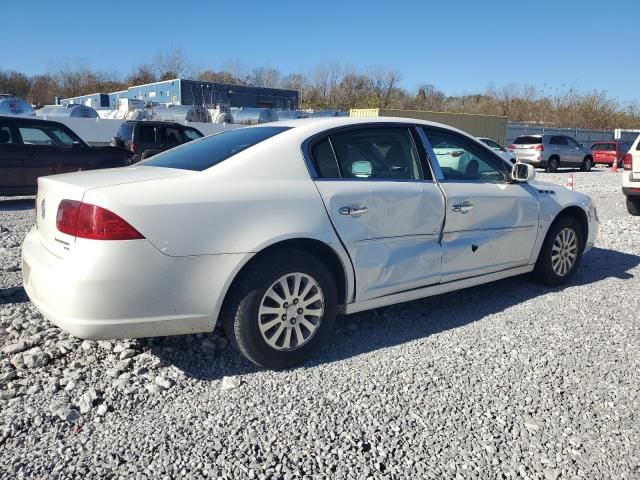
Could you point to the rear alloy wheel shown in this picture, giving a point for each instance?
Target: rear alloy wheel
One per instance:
(587, 163)
(291, 311)
(633, 206)
(553, 164)
(561, 252)
(282, 309)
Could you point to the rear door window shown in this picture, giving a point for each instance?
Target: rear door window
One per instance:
(324, 159)
(34, 136)
(380, 153)
(5, 135)
(604, 147)
(191, 134)
(47, 134)
(169, 136)
(147, 134)
(206, 152)
(558, 140)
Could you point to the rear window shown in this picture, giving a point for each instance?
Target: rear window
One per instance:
(125, 131)
(206, 152)
(527, 140)
(604, 147)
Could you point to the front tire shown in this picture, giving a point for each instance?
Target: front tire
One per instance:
(633, 206)
(587, 163)
(282, 310)
(561, 252)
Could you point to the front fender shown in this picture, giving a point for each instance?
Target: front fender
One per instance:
(554, 200)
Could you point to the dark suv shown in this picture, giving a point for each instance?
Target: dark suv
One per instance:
(145, 139)
(32, 148)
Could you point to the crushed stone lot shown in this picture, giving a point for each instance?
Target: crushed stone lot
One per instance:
(506, 380)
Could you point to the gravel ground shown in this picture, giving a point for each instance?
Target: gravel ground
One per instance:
(507, 380)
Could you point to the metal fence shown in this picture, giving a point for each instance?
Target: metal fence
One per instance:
(491, 126)
(581, 135)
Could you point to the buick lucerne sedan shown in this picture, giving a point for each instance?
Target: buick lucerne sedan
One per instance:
(274, 229)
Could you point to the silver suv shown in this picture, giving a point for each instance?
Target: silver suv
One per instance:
(551, 152)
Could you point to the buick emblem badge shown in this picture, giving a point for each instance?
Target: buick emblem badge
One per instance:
(42, 208)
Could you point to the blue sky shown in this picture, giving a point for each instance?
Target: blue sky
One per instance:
(458, 46)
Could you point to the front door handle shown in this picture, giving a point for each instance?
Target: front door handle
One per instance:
(354, 212)
(463, 207)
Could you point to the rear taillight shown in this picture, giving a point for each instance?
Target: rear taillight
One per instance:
(627, 161)
(134, 147)
(539, 148)
(511, 147)
(67, 216)
(84, 220)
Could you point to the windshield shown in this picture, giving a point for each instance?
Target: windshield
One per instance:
(527, 140)
(206, 152)
(604, 147)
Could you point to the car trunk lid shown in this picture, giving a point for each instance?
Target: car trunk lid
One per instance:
(72, 186)
(526, 146)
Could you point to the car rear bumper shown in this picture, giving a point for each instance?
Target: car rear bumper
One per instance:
(604, 161)
(630, 185)
(125, 289)
(535, 162)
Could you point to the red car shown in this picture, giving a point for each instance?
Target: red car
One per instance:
(607, 152)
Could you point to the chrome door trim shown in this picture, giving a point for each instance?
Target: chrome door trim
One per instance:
(431, 156)
(313, 173)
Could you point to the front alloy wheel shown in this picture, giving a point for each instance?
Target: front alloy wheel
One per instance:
(560, 253)
(564, 252)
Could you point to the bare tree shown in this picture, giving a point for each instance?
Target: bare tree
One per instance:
(15, 83)
(296, 81)
(383, 83)
(429, 98)
(42, 91)
(265, 77)
(171, 63)
(142, 74)
(354, 90)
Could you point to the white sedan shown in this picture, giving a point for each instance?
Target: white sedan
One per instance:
(272, 230)
(508, 155)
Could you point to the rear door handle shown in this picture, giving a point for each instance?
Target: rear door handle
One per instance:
(463, 207)
(354, 212)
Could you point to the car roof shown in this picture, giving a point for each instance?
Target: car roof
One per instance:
(312, 126)
(153, 122)
(28, 118)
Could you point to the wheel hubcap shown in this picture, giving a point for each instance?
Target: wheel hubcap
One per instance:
(564, 252)
(291, 311)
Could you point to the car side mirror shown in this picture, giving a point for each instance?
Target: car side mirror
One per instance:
(523, 172)
(361, 169)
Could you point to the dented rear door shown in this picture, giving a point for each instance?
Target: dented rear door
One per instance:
(389, 219)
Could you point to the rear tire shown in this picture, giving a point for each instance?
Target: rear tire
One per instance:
(633, 205)
(587, 163)
(553, 164)
(561, 252)
(258, 299)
